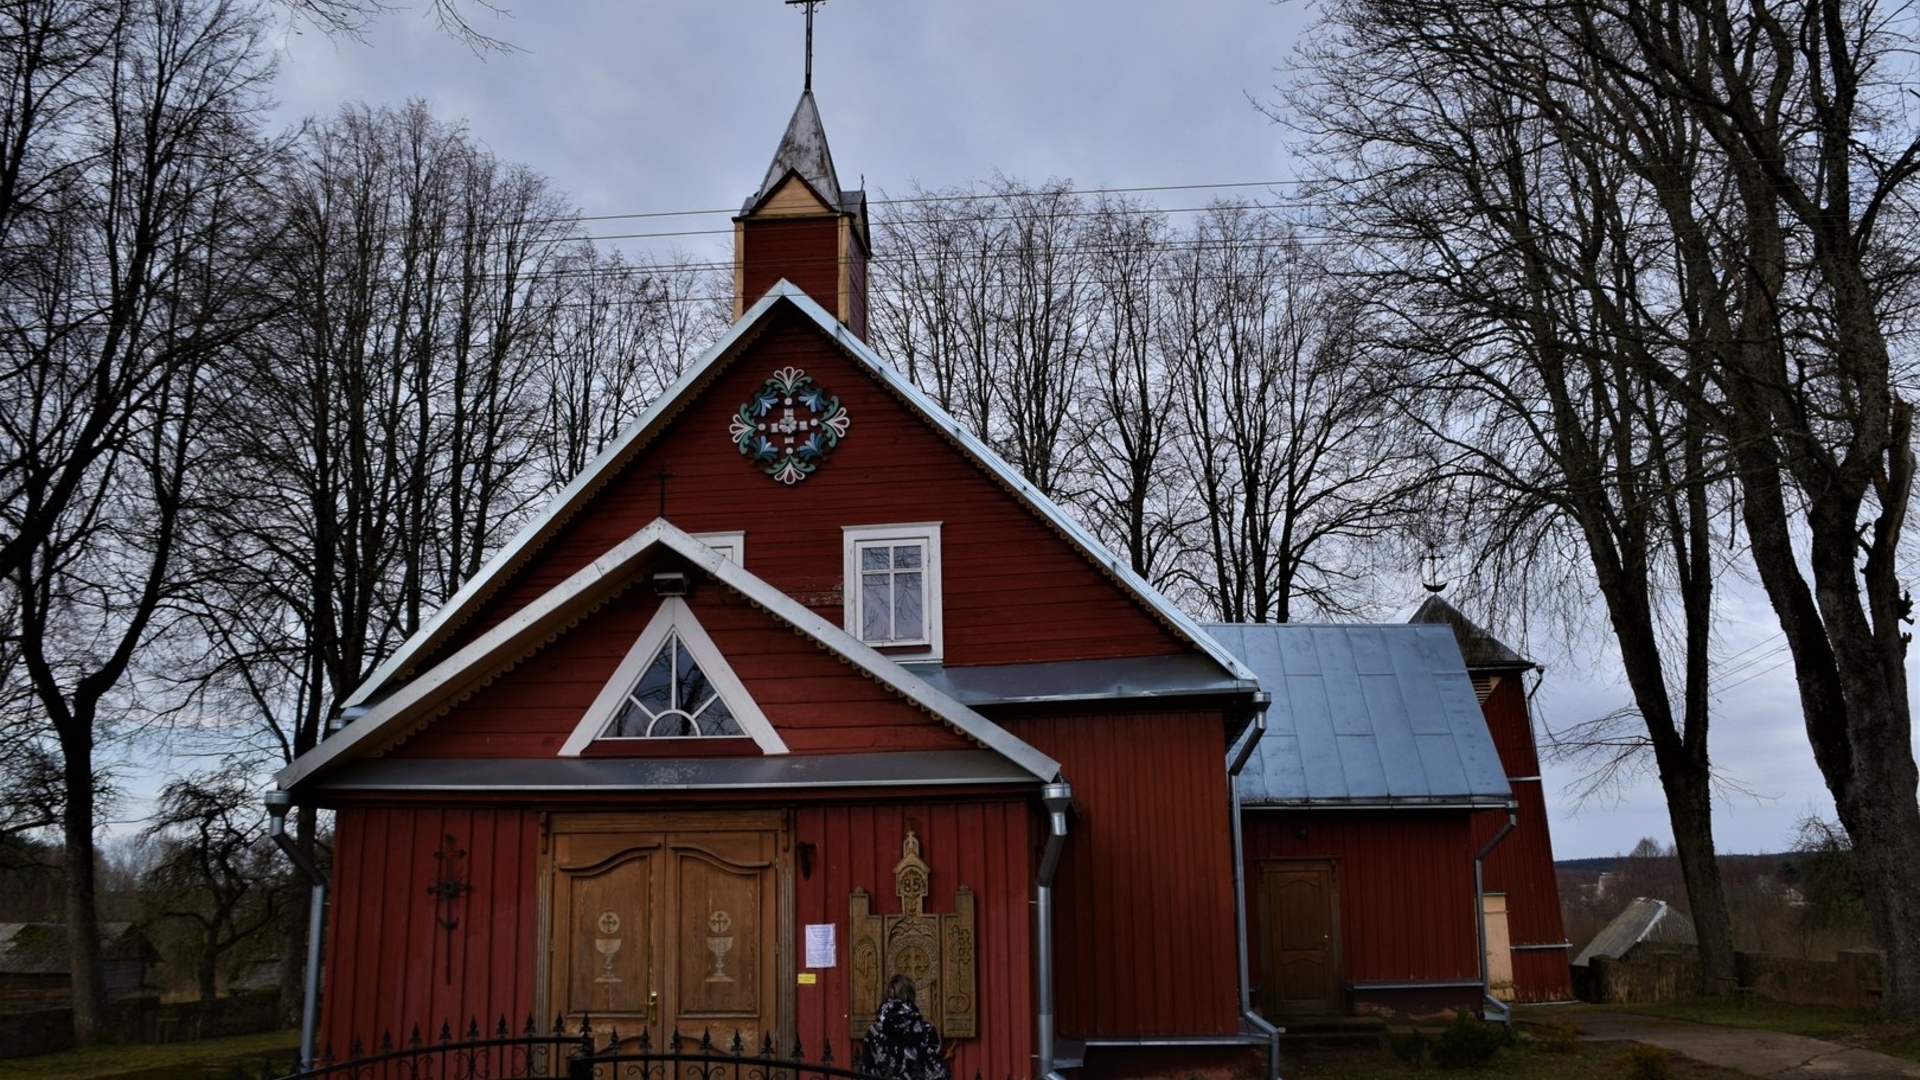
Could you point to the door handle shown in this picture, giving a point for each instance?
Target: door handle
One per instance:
(653, 1006)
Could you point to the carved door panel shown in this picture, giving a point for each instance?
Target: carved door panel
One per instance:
(722, 896)
(1300, 922)
(659, 931)
(606, 933)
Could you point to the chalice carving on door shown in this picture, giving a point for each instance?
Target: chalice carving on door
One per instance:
(720, 943)
(607, 945)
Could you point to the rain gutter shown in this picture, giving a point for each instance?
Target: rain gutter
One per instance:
(1058, 799)
(1250, 1019)
(1490, 1002)
(278, 803)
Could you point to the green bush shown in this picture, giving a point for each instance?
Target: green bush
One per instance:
(1409, 1046)
(1469, 1041)
(1648, 1063)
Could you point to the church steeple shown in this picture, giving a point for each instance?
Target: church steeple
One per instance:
(800, 225)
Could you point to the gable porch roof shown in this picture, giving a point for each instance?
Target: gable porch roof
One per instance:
(528, 629)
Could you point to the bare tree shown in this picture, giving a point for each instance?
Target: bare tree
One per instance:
(128, 282)
(1127, 425)
(1764, 155)
(1284, 435)
(213, 872)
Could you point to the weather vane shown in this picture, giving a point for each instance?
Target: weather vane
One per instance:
(809, 5)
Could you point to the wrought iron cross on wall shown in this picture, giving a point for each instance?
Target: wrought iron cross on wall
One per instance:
(449, 886)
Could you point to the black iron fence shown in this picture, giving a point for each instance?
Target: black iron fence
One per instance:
(585, 1054)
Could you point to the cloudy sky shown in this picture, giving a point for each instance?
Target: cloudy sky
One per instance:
(674, 107)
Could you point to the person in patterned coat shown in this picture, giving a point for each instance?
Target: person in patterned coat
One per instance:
(902, 1044)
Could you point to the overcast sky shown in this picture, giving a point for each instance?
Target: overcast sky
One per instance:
(666, 106)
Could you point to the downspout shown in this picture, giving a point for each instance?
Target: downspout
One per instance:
(1057, 797)
(1258, 1023)
(1492, 1003)
(278, 803)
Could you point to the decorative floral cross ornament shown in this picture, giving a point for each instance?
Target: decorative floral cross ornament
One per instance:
(790, 426)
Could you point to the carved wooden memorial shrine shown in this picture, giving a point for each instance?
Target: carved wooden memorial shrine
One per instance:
(935, 951)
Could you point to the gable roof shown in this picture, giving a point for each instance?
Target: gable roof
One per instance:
(1365, 716)
(583, 487)
(1643, 921)
(528, 629)
(1478, 646)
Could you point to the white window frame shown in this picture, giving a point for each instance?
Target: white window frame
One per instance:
(926, 533)
(731, 544)
(674, 617)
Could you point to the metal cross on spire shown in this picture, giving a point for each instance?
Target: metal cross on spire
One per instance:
(809, 5)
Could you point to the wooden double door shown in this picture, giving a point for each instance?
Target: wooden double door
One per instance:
(666, 922)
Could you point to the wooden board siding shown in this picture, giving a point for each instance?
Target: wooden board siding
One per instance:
(387, 959)
(1405, 887)
(1144, 898)
(987, 846)
(1522, 866)
(803, 250)
(1013, 589)
(808, 695)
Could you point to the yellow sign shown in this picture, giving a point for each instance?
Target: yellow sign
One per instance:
(808, 978)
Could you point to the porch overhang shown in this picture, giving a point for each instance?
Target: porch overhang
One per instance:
(631, 776)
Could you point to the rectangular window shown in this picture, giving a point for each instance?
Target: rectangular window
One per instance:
(893, 585)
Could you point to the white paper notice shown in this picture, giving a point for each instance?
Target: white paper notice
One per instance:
(820, 945)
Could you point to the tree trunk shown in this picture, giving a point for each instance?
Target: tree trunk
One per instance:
(83, 918)
(1690, 811)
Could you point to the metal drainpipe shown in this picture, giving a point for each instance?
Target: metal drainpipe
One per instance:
(278, 803)
(1057, 797)
(1261, 701)
(1480, 912)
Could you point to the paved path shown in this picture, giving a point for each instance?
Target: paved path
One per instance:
(1761, 1053)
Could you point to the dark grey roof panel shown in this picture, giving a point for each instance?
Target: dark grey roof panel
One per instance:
(586, 775)
(1477, 644)
(1082, 680)
(1365, 716)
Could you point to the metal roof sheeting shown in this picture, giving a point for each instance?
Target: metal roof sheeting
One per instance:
(1365, 716)
(1642, 922)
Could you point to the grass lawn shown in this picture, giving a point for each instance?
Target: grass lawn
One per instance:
(1851, 1027)
(1587, 1061)
(166, 1061)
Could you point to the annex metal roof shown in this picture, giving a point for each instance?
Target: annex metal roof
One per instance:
(530, 627)
(583, 486)
(1365, 716)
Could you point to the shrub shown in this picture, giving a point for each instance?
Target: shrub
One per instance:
(1469, 1041)
(1648, 1063)
(1409, 1046)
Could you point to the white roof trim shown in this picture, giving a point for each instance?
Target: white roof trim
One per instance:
(674, 620)
(527, 628)
(577, 491)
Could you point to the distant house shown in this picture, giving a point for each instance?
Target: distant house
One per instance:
(1644, 924)
(36, 964)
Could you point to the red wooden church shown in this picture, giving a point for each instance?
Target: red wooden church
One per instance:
(797, 686)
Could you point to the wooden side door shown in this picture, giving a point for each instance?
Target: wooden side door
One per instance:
(660, 923)
(1300, 930)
